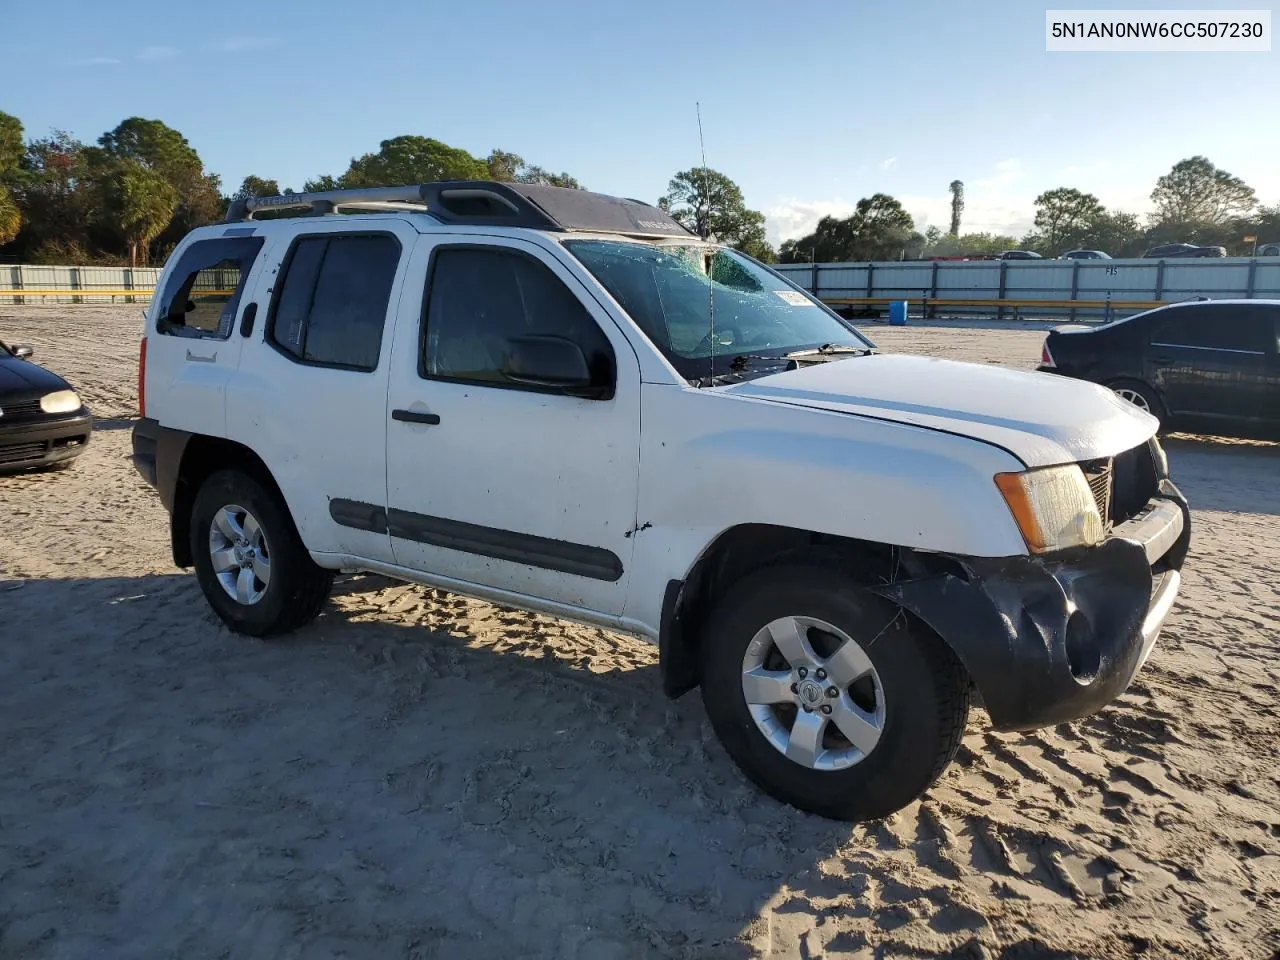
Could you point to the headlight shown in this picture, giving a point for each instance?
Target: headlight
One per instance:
(1054, 508)
(60, 401)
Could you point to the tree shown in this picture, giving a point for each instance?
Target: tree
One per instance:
(406, 160)
(54, 196)
(1119, 234)
(10, 216)
(878, 229)
(1196, 194)
(253, 186)
(321, 184)
(140, 203)
(507, 167)
(1064, 216)
(12, 146)
(957, 206)
(708, 203)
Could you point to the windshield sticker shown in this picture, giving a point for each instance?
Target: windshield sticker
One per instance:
(795, 298)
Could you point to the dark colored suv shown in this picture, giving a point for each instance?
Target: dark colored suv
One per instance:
(1167, 250)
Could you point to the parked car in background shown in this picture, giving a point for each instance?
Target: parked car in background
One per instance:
(1166, 250)
(1205, 366)
(1269, 250)
(43, 422)
(1020, 255)
(1085, 255)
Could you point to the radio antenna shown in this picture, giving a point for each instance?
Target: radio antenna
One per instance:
(708, 260)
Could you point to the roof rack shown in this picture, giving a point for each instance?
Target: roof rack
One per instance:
(484, 203)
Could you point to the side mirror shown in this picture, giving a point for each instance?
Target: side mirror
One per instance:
(543, 361)
(22, 351)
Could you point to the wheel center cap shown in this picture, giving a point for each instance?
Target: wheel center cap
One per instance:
(810, 692)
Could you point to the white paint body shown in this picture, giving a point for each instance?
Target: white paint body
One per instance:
(892, 449)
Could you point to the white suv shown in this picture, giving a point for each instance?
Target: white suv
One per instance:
(565, 402)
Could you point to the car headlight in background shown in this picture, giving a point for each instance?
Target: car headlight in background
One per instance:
(1053, 507)
(60, 401)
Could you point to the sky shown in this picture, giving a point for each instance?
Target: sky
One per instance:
(807, 105)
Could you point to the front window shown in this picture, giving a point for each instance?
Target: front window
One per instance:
(714, 312)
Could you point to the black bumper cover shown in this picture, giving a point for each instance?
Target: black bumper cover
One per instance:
(44, 442)
(1052, 638)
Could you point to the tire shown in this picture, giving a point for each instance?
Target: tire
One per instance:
(286, 591)
(919, 693)
(1141, 396)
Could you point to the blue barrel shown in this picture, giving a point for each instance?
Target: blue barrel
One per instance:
(898, 313)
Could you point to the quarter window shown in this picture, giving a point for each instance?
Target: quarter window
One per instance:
(332, 303)
(1215, 328)
(481, 298)
(202, 294)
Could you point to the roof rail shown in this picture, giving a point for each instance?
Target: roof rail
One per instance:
(484, 203)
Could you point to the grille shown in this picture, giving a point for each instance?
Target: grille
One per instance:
(20, 452)
(1098, 473)
(20, 408)
(1122, 485)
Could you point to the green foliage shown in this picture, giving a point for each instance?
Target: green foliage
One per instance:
(11, 146)
(709, 204)
(1065, 217)
(957, 206)
(411, 159)
(10, 216)
(878, 229)
(139, 202)
(1198, 194)
(252, 186)
(321, 184)
(507, 167)
(968, 245)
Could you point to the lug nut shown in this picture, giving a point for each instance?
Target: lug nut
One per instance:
(826, 708)
(803, 673)
(821, 674)
(807, 708)
(832, 692)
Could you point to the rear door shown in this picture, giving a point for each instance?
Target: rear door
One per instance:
(1211, 361)
(192, 347)
(310, 395)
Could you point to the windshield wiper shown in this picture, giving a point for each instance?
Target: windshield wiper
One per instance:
(829, 350)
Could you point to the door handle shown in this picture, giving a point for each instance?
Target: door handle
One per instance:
(247, 318)
(413, 416)
(200, 358)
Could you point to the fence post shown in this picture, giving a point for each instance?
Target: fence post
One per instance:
(871, 271)
(1253, 274)
(128, 283)
(76, 284)
(18, 283)
(1075, 287)
(813, 278)
(929, 310)
(1159, 281)
(1004, 264)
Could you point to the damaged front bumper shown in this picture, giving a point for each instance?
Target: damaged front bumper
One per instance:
(1054, 637)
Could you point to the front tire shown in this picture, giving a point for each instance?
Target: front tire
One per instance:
(828, 697)
(250, 562)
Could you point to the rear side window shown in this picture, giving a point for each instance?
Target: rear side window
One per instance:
(1216, 328)
(202, 294)
(331, 305)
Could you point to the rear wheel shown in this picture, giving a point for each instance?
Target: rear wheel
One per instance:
(827, 696)
(1141, 396)
(250, 561)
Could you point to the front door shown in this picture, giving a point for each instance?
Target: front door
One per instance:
(1210, 362)
(518, 488)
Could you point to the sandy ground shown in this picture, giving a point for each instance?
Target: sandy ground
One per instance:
(421, 775)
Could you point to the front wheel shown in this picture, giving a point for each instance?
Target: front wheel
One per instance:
(1141, 396)
(827, 696)
(250, 561)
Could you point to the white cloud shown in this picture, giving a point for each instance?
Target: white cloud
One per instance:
(157, 53)
(886, 164)
(794, 218)
(238, 44)
(94, 61)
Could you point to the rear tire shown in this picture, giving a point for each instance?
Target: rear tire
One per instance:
(1141, 396)
(905, 714)
(250, 562)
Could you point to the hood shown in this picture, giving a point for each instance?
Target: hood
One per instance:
(22, 379)
(1041, 418)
